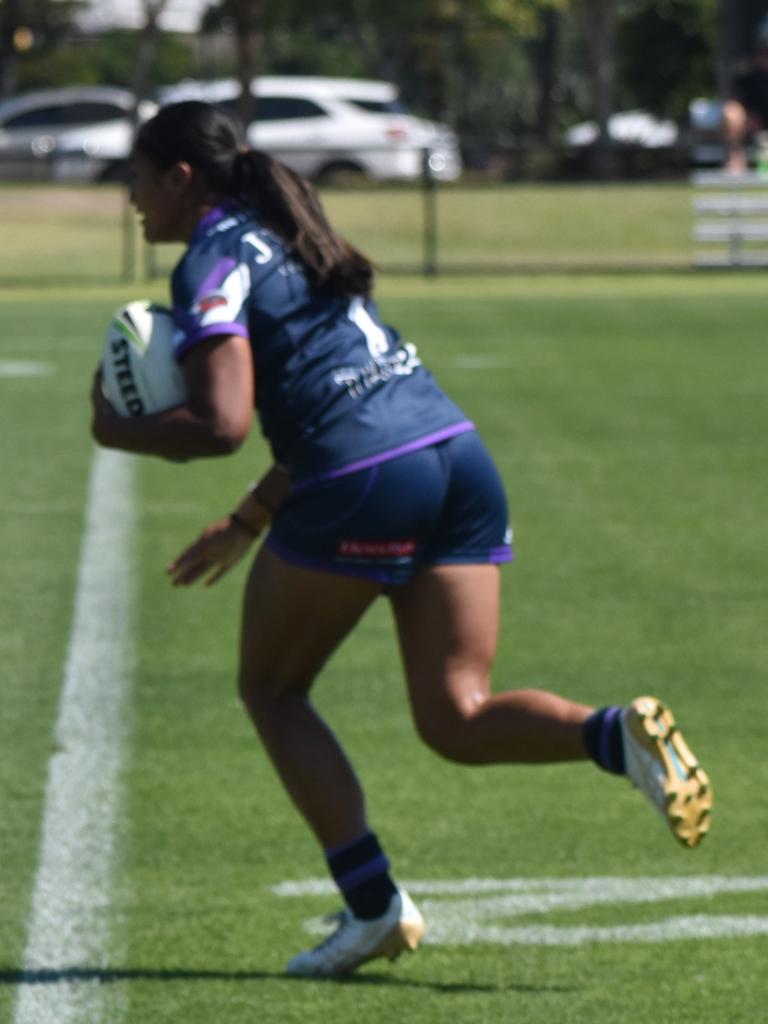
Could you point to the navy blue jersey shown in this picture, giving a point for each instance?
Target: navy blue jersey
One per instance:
(336, 390)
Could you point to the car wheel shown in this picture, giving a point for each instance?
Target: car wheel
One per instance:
(341, 172)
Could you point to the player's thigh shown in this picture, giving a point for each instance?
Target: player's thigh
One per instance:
(448, 623)
(293, 619)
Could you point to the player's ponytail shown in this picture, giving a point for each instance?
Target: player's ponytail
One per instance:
(211, 143)
(287, 203)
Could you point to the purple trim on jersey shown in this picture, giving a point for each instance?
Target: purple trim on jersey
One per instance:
(209, 332)
(321, 565)
(213, 217)
(221, 270)
(444, 434)
(217, 276)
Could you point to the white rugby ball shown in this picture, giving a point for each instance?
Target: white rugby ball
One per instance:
(140, 372)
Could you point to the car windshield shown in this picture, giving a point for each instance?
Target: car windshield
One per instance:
(277, 108)
(79, 112)
(380, 106)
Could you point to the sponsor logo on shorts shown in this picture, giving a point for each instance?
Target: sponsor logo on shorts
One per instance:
(376, 549)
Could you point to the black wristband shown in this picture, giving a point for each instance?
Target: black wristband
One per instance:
(239, 521)
(264, 504)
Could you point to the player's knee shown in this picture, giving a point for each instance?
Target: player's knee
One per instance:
(449, 733)
(258, 695)
(267, 698)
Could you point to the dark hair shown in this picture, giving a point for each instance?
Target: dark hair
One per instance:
(212, 143)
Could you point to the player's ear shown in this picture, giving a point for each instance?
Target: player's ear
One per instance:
(180, 176)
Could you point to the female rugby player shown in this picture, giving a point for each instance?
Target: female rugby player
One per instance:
(380, 485)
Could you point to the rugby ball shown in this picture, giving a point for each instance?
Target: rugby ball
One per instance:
(140, 372)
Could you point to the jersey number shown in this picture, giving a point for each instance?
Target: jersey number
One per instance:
(375, 336)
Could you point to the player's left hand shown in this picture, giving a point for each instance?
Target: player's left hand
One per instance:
(103, 411)
(213, 554)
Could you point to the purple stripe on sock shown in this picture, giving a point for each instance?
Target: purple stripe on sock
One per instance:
(393, 453)
(605, 737)
(352, 879)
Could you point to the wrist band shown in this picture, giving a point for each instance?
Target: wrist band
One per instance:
(264, 504)
(239, 521)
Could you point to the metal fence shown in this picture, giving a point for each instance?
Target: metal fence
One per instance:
(88, 234)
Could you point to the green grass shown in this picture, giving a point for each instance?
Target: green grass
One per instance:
(628, 417)
(526, 226)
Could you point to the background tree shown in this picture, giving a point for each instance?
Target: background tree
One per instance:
(30, 28)
(675, 39)
(599, 21)
(145, 52)
(508, 75)
(246, 19)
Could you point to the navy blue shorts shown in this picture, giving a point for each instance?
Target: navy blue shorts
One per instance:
(434, 506)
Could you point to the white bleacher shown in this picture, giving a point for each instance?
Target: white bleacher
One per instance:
(731, 213)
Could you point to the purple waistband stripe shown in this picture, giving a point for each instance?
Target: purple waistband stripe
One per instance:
(392, 453)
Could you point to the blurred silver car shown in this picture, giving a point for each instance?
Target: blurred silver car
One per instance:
(77, 133)
(328, 127)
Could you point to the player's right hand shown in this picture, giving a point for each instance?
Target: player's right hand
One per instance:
(220, 546)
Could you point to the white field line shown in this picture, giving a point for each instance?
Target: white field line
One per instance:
(24, 368)
(484, 910)
(68, 937)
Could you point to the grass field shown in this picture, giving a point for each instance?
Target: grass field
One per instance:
(628, 416)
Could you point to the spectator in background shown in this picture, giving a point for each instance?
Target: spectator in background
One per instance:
(746, 113)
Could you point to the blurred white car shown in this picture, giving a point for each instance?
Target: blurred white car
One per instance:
(326, 127)
(705, 128)
(631, 127)
(77, 132)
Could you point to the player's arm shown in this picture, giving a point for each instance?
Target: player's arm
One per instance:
(214, 420)
(226, 540)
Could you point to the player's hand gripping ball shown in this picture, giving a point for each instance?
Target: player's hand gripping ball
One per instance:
(140, 372)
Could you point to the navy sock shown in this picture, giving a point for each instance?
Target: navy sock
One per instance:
(603, 739)
(361, 871)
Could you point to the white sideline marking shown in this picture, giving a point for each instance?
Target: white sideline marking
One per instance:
(488, 916)
(20, 368)
(69, 923)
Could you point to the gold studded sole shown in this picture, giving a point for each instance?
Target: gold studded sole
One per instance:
(687, 789)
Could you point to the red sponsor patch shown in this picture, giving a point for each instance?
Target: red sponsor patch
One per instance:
(210, 302)
(376, 548)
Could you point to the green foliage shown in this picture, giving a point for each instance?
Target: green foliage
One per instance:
(512, 71)
(108, 60)
(665, 54)
(48, 20)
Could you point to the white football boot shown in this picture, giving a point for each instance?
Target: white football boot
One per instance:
(356, 941)
(660, 763)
